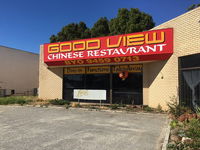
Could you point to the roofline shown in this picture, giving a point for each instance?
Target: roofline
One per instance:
(191, 11)
(19, 50)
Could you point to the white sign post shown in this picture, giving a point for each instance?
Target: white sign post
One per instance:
(89, 94)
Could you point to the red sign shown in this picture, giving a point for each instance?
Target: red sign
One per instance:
(141, 46)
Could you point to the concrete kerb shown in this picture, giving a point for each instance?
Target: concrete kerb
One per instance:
(167, 134)
(85, 109)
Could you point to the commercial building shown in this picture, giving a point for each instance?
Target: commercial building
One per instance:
(19, 72)
(146, 68)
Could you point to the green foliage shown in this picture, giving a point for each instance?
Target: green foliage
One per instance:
(53, 39)
(189, 129)
(114, 106)
(193, 6)
(126, 21)
(59, 102)
(16, 100)
(130, 21)
(100, 28)
(180, 146)
(173, 124)
(72, 31)
(193, 130)
(197, 110)
(148, 109)
(175, 108)
(118, 25)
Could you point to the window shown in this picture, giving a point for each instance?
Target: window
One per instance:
(190, 80)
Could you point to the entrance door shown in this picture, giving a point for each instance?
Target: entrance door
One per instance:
(128, 91)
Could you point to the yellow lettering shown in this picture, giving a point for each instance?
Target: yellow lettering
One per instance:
(114, 45)
(62, 49)
(155, 41)
(137, 39)
(92, 47)
(79, 48)
(54, 48)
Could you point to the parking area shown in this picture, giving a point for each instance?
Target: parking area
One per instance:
(31, 128)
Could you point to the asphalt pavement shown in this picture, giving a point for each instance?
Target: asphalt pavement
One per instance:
(32, 128)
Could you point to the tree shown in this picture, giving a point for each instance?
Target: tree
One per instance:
(126, 21)
(72, 31)
(53, 39)
(193, 7)
(83, 30)
(130, 21)
(100, 28)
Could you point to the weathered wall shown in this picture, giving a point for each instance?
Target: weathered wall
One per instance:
(19, 70)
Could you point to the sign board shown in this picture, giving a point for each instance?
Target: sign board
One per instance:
(98, 69)
(89, 94)
(103, 69)
(74, 70)
(129, 68)
(133, 47)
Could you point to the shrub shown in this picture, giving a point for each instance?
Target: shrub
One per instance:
(197, 110)
(114, 106)
(193, 129)
(16, 100)
(59, 102)
(159, 108)
(174, 124)
(148, 109)
(175, 108)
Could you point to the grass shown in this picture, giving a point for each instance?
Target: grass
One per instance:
(59, 102)
(32, 100)
(16, 100)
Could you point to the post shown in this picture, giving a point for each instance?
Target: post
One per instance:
(111, 85)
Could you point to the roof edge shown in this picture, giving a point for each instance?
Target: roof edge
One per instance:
(19, 50)
(191, 11)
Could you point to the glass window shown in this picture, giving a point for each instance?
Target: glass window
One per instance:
(97, 81)
(190, 80)
(190, 61)
(132, 82)
(128, 91)
(74, 81)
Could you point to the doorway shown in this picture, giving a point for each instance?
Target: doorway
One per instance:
(128, 91)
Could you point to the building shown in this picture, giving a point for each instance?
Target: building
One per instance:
(19, 72)
(165, 65)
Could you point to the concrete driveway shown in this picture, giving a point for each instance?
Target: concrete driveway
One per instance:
(30, 128)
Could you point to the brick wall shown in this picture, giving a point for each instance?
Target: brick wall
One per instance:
(161, 78)
(50, 80)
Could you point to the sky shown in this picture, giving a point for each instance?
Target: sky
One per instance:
(27, 24)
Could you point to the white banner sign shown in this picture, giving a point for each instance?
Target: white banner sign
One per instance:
(89, 94)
